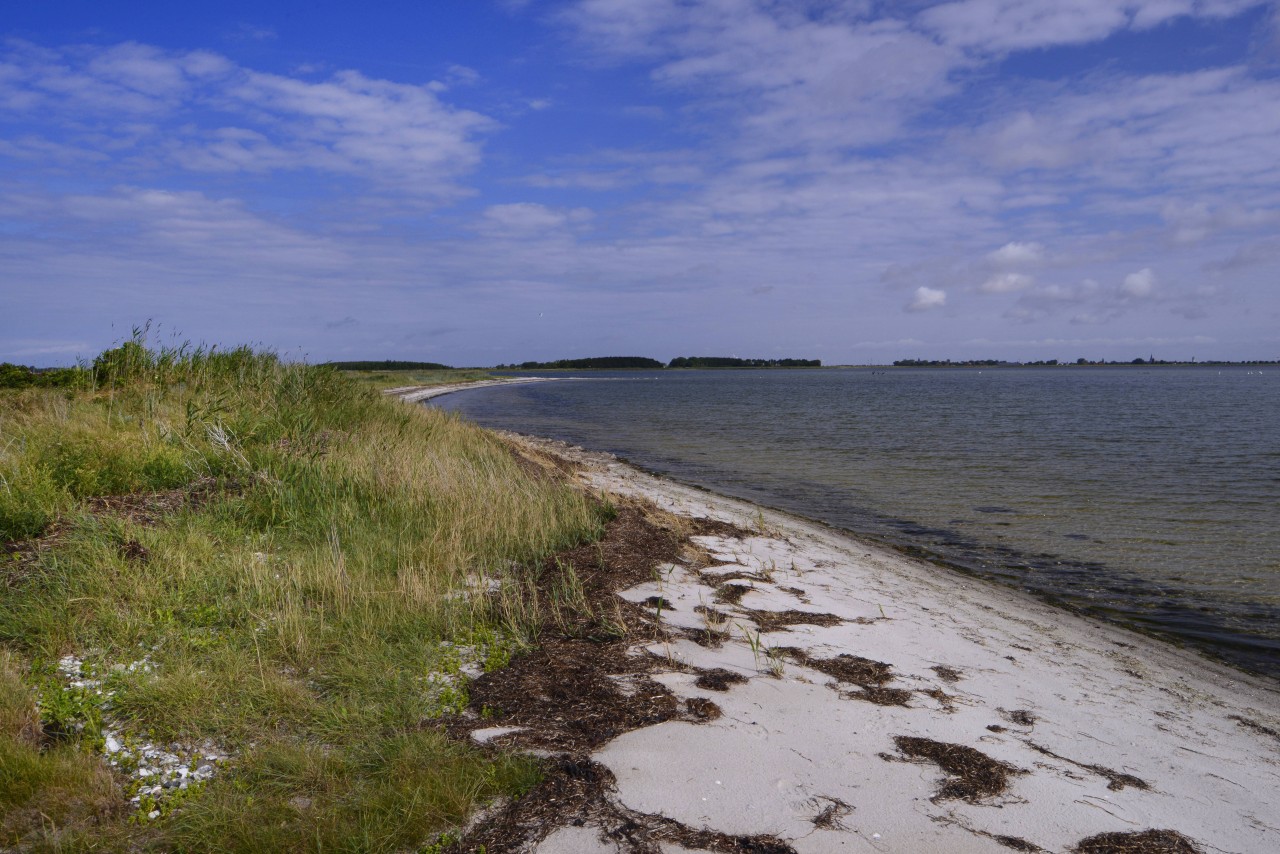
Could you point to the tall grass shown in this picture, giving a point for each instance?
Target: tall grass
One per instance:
(299, 590)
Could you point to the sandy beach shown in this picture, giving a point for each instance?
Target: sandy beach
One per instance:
(417, 394)
(849, 698)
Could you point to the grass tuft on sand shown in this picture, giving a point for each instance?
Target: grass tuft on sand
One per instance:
(270, 560)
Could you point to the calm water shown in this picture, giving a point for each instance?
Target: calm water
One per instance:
(1150, 496)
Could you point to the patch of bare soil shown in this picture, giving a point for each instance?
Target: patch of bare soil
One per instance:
(971, 774)
(1116, 780)
(1143, 842)
(150, 508)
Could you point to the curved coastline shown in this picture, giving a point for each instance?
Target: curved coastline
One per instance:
(1105, 730)
(1153, 591)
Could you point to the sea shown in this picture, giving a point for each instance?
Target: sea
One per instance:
(1149, 496)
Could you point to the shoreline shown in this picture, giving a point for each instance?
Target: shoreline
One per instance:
(1109, 730)
(417, 393)
(1178, 606)
(1092, 728)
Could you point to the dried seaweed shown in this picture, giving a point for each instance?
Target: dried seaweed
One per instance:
(1140, 842)
(971, 774)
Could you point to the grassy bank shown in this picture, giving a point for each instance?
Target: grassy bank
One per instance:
(238, 595)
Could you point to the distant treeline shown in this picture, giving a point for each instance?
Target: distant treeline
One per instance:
(388, 365)
(616, 362)
(21, 376)
(598, 362)
(728, 362)
(991, 363)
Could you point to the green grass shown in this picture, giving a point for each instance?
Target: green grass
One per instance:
(307, 614)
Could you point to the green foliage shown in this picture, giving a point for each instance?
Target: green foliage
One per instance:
(29, 501)
(20, 376)
(123, 364)
(39, 787)
(393, 795)
(595, 363)
(388, 365)
(734, 362)
(96, 463)
(313, 590)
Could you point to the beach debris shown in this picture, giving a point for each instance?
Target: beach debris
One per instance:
(870, 676)
(773, 621)
(731, 594)
(702, 709)
(719, 679)
(1249, 723)
(1021, 717)
(1140, 842)
(971, 774)
(831, 814)
(1116, 780)
(946, 674)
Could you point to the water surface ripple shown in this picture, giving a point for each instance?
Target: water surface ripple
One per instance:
(1147, 495)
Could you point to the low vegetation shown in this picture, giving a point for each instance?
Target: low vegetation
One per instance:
(256, 582)
(595, 363)
(382, 380)
(388, 365)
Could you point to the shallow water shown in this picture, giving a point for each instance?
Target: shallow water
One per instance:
(1147, 495)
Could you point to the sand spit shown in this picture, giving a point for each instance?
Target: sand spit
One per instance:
(843, 697)
(418, 393)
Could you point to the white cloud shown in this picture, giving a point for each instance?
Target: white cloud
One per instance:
(401, 137)
(927, 298)
(527, 218)
(1009, 25)
(1140, 284)
(792, 75)
(1006, 283)
(1016, 254)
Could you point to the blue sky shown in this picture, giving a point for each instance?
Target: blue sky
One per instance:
(481, 182)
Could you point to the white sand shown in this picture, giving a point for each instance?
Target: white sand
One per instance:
(787, 748)
(792, 746)
(418, 393)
